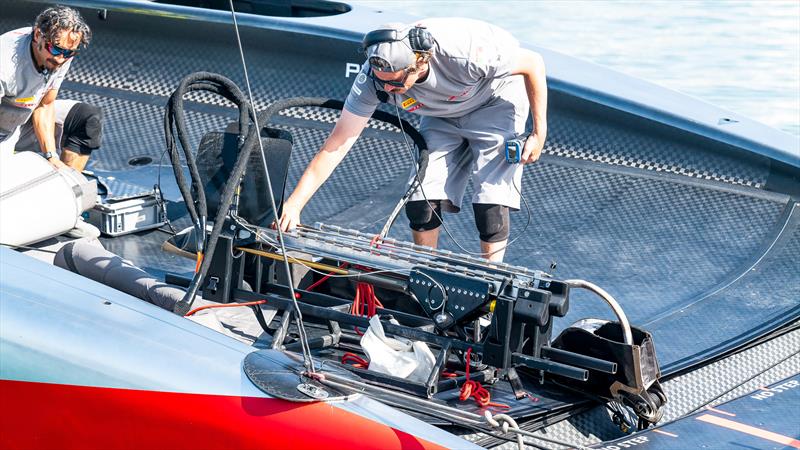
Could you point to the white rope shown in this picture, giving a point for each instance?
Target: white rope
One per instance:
(506, 424)
(495, 421)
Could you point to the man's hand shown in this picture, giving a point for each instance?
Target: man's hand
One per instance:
(290, 217)
(57, 163)
(533, 149)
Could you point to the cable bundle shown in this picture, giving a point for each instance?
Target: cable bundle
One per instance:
(193, 194)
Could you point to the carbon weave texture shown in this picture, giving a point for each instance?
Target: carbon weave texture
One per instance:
(717, 383)
(152, 63)
(633, 235)
(656, 243)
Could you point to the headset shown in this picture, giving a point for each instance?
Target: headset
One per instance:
(419, 38)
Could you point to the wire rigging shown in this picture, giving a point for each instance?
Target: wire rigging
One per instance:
(308, 362)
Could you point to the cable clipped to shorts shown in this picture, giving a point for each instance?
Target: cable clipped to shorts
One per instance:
(416, 184)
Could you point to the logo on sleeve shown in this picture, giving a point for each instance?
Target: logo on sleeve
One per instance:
(463, 93)
(361, 78)
(26, 102)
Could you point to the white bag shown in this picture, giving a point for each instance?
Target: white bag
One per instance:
(397, 357)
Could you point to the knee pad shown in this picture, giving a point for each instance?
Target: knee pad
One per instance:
(421, 216)
(83, 129)
(493, 222)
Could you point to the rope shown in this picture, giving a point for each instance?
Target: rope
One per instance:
(507, 421)
(365, 303)
(238, 173)
(325, 278)
(357, 361)
(228, 305)
(475, 390)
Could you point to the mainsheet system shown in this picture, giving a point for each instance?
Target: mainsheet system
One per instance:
(483, 322)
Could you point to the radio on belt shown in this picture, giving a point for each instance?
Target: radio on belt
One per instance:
(514, 149)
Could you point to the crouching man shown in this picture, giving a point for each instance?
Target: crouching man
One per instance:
(474, 87)
(33, 63)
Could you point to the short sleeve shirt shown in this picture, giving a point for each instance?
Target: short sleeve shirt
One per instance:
(471, 61)
(22, 86)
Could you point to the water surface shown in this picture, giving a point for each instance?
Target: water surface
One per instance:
(741, 55)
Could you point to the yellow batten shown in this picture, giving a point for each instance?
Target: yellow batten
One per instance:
(304, 262)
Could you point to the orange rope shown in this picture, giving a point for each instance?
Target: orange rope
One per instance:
(227, 305)
(375, 242)
(365, 303)
(323, 279)
(358, 361)
(199, 262)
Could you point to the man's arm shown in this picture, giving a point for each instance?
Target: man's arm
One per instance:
(347, 130)
(530, 65)
(43, 119)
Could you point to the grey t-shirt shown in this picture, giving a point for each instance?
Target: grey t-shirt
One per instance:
(471, 62)
(22, 87)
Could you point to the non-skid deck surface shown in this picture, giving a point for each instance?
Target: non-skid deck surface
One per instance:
(683, 237)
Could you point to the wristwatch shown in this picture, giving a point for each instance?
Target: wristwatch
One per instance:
(48, 155)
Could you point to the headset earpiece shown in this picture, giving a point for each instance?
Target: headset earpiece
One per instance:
(419, 39)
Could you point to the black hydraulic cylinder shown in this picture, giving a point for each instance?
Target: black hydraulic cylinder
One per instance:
(553, 367)
(575, 359)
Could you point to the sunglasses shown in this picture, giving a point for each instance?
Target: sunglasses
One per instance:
(56, 50)
(398, 84)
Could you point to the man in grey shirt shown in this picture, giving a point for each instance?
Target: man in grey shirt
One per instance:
(33, 63)
(474, 86)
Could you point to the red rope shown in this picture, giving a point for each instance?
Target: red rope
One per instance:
(365, 303)
(375, 242)
(227, 305)
(357, 361)
(325, 278)
(475, 390)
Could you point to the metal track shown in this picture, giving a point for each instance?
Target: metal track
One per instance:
(392, 255)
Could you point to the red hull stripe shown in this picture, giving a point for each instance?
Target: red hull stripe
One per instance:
(47, 416)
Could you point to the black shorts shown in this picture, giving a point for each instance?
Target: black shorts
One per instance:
(83, 129)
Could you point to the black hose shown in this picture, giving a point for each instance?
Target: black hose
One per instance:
(174, 117)
(198, 210)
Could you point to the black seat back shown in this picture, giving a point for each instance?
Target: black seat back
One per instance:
(216, 156)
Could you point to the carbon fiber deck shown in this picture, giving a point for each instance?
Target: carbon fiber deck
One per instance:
(679, 234)
(149, 55)
(732, 377)
(680, 231)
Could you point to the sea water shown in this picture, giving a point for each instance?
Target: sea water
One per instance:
(743, 56)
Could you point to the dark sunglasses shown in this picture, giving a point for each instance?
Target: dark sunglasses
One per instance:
(393, 83)
(56, 50)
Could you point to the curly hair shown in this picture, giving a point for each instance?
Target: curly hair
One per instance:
(421, 59)
(56, 19)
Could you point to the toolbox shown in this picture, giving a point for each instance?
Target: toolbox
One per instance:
(115, 218)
